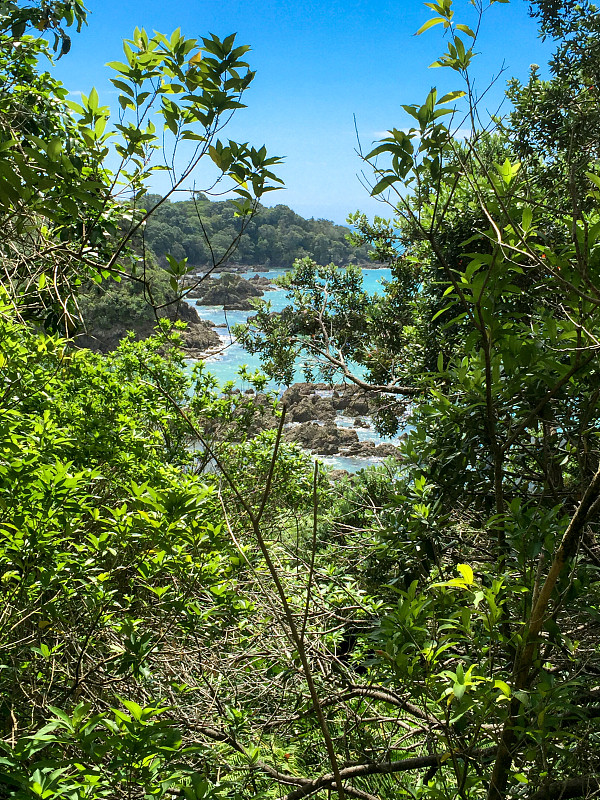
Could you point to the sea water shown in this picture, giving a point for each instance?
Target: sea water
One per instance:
(226, 362)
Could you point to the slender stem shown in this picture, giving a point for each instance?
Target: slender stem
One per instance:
(567, 549)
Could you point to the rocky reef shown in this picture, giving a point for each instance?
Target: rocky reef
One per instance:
(313, 411)
(313, 416)
(232, 292)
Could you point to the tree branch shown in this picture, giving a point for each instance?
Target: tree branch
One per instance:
(385, 768)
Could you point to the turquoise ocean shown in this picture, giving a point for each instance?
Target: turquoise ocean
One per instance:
(225, 364)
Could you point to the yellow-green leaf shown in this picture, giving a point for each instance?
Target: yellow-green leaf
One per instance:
(504, 687)
(467, 573)
(429, 24)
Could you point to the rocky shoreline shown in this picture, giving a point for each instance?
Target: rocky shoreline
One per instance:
(323, 419)
(314, 412)
(200, 338)
(326, 420)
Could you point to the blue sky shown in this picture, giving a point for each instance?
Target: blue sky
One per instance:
(318, 65)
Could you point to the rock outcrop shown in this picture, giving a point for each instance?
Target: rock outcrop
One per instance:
(371, 450)
(311, 419)
(352, 400)
(311, 407)
(199, 336)
(312, 410)
(230, 291)
(261, 283)
(324, 440)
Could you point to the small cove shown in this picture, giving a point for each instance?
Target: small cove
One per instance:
(225, 364)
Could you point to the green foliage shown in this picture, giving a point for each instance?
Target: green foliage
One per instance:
(555, 122)
(113, 555)
(109, 309)
(96, 526)
(66, 217)
(190, 607)
(52, 187)
(280, 337)
(201, 230)
(486, 537)
(17, 18)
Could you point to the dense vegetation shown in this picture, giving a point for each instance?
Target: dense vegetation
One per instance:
(202, 232)
(191, 610)
(198, 229)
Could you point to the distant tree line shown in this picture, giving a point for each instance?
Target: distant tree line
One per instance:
(274, 238)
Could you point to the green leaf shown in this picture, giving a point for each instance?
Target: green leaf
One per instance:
(467, 573)
(595, 179)
(124, 87)
(430, 23)
(458, 690)
(443, 310)
(504, 687)
(450, 97)
(54, 148)
(92, 101)
(134, 708)
(119, 66)
(383, 184)
(507, 171)
(522, 697)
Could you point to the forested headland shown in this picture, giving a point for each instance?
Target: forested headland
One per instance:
(191, 605)
(196, 229)
(203, 232)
